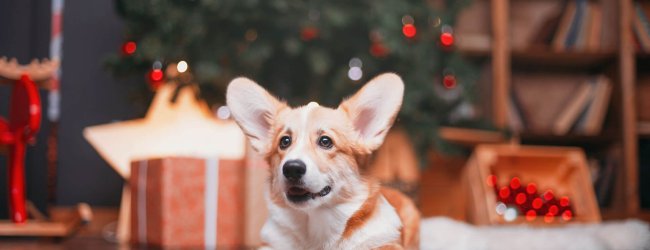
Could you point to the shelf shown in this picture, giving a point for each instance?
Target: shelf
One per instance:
(564, 59)
(551, 58)
(567, 140)
(643, 129)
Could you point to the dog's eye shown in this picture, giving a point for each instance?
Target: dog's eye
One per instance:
(325, 142)
(285, 142)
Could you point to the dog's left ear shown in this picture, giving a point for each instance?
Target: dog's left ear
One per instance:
(373, 108)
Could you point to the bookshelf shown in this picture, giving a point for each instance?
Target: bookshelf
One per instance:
(618, 63)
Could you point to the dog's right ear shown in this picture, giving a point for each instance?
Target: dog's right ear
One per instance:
(254, 109)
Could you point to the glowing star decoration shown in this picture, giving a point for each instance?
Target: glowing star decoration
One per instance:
(184, 128)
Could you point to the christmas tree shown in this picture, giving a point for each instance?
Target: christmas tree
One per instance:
(308, 50)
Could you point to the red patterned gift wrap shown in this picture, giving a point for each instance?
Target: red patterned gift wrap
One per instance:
(182, 202)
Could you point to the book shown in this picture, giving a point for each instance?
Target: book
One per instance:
(595, 28)
(592, 121)
(572, 110)
(549, 27)
(641, 27)
(559, 40)
(539, 111)
(515, 114)
(576, 24)
(584, 27)
(609, 35)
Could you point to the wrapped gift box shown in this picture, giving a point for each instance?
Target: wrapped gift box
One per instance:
(561, 169)
(188, 202)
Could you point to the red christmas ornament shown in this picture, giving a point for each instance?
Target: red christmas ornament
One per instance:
(504, 192)
(491, 180)
(531, 215)
(548, 195)
(567, 215)
(564, 201)
(520, 198)
(531, 188)
(378, 50)
(409, 30)
(446, 39)
(449, 81)
(309, 33)
(515, 183)
(553, 210)
(128, 48)
(548, 218)
(537, 203)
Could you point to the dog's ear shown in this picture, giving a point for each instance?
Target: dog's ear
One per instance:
(373, 108)
(254, 109)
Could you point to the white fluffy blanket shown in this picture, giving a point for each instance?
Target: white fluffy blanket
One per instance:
(445, 233)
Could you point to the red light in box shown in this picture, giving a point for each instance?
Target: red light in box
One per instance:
(531, 215)
(521, 198)
(553, 210)
(548, 195)
(548, 218)
(537, 203)
(531, 188)
(515, 183)
(446, 39)
(409, 30)
(129, 48)
(567, 215)
(504, 192)
(491, 180)
(564, 201)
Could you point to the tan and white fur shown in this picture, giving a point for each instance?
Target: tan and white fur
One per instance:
(317, 197)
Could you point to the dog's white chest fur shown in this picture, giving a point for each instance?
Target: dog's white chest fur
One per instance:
(322, 228)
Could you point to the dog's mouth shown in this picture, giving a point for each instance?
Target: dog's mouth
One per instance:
(298, 194)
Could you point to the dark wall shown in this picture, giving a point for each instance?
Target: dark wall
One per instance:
(89, 95)
(24, 34)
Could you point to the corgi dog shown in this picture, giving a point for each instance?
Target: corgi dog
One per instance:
(317, 197)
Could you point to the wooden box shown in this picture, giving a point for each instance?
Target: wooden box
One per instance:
(560, 169)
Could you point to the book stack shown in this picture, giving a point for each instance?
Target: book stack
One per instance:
(578, 25)
(641, 27)
(559, 104)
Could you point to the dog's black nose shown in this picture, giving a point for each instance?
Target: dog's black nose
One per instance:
(293, 170)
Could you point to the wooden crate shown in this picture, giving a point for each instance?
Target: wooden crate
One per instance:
(561, 169)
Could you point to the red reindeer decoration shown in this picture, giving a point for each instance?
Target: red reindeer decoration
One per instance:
(23, 124)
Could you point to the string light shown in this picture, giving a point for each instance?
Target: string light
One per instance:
(409, 30)
(182, 66)
(156, 75)
(223, 113)
(355, 73)
(129, 48)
